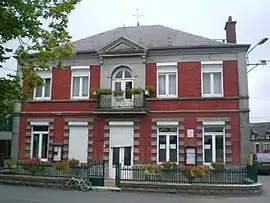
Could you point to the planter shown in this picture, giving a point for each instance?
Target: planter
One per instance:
(146, 92)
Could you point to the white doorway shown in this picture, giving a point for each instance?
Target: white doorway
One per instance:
(78, 141)
(121, 148)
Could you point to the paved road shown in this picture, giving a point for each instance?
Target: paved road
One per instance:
(20, 194)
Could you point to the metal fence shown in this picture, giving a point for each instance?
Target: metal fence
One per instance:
(178, 175)
(92, 171)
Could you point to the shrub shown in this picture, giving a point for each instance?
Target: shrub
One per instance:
(151, 168)
(10, 163)
(118, 93)
(33, 165)
(169, 165)
(61, 166)
(218, 166)
(194, 171)
(73, 162)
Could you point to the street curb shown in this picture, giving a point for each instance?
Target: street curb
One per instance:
(103, 189)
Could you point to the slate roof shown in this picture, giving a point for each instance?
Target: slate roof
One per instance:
(151, 36)
(260, 129)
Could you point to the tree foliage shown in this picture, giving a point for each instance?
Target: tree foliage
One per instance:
(40, 26)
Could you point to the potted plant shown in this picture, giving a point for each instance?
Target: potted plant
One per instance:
(137, 90)
(149, 90)
(34, 165)
(117, 93)
(61, 168)
(74, 165)
(10, 165)
(97, 91)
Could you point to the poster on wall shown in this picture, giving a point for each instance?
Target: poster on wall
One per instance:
(190, 156)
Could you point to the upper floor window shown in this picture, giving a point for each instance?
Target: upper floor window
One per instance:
(44, 91)
(122, 80)
(267, 136)
(80, 82)
(167, 80)
(212, 79)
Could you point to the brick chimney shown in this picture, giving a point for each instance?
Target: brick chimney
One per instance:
(230, 30)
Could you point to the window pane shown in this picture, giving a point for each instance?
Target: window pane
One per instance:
(217, 83)
(119, 74)
(128, 94)
(162, 148)
(172, 84)
(85, 86)
(115, 155)
(76, 87)
(40, 128)
(162, 84)
(44, 146)
(206, 83)
(173, 148)
(213, 129)
(117, 86)
(167, 130)
(47, 87)
(208, 149)
(127, 74)
(35, 146)
(38, 91)
(219, 149)
(127, 156)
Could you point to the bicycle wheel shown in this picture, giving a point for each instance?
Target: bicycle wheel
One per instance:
(66, 185)
(87, 185)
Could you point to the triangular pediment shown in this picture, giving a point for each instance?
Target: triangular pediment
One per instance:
(122, 45)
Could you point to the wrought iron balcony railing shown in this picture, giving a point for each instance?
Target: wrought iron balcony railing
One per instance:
(127, 101)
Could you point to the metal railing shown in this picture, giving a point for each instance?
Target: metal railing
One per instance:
(178, 175)
(127, 101)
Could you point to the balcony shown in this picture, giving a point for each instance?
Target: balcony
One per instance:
(121, 104)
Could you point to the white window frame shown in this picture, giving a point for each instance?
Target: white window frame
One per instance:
(168, 134)
(40, 139)
(264, 146)
(212, 67)
(80, 71)
(44, 75)
(167, 69)
(214, 134)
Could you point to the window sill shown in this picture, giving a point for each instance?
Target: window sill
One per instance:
(212, 95)
(167, 97)
(79, 98)
(41, 98)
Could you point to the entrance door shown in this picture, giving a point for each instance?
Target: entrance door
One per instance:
(214, 148)
(121, 149)
(123, 156)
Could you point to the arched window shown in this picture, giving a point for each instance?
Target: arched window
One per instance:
(122, 80)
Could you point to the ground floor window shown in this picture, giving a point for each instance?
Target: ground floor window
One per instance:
(39, 142)
(167, 144)
(121, 155)
(214, 147)
(266, 147)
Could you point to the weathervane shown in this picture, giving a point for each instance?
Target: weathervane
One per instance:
(138, 15)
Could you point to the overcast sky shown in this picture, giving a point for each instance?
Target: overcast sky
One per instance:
(202, 17)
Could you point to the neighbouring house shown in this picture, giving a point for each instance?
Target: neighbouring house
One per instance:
(260, 137)
(193, 108)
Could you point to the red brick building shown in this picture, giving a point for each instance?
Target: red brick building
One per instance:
(198, 112)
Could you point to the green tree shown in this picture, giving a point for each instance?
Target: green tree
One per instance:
(40, 26)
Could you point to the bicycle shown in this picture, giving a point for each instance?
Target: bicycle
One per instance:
(81, 183)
